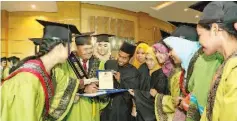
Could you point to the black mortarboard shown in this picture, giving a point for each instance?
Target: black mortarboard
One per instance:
(220, 12)
(3, 59)
(177, 24)
(58, 30)
(199, 6)
(37, 42)
(84, 38)
(186, 32)
(102, 37)
(128, 48)
(164, 34)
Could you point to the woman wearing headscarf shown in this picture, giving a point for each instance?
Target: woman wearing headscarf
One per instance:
(194, 79)
(182, 50)
(164, 107)
(139, 62)
(217, 34)
(139, 56)
(102, 48)
(144, 102)
(27, 92)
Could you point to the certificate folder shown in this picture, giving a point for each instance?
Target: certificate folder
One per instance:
(105, 80)
(103, 92)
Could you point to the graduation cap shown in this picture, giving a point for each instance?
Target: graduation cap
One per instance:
(199, 6)
(103, 37)
(186, 32)
(220, 12)
(177, 24)
(58, 30)
(164, 34)
(3, 59)
(128, 48)
(37, 42)
(83, 38)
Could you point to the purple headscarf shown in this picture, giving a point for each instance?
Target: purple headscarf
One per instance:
(167, 66)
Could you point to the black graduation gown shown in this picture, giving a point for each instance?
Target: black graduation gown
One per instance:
(120, 106)
(145, 102)
(144, 78)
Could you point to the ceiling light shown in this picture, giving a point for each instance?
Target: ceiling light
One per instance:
(163, 5)
(186, 9)
(33, 6)
(197, 16)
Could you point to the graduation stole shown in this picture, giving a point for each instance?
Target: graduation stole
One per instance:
(214, 86)
(79, 70)
(76, 66)
(191, 67)
(37, 68)
(94, 68)
(80, 73)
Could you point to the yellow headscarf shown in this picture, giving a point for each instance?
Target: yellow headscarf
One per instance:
(135, 62)
(157, 65)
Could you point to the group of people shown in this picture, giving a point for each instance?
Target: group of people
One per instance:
(188, 75)
(7, 64)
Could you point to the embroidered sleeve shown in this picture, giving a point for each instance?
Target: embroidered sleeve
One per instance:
(65, 92)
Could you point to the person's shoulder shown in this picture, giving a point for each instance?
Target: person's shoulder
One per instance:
(62, 67)
(23, 78)
(231, 65)
(159, 71)
(111, 64)
(132, 68)
(143, 66)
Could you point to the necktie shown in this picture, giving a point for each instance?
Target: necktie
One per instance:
(84, 65)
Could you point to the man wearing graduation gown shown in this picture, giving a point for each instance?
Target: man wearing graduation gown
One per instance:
(81, 66)
(102, 49)
(126, 77)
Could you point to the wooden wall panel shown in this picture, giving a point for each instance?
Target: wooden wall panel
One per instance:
(118, 27)
(113, 26)
(92, 23)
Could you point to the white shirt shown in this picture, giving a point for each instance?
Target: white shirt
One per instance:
(87, 64)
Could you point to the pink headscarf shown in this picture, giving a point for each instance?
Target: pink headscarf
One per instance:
(167, 66)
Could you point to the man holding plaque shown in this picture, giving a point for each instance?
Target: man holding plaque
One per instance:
(126, 77)
(81, 65)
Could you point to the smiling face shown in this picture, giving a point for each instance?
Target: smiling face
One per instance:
(103, 48)
(4, 63)
(123, 58)
(174, 57)
(85, 51)
(209, 39)
(140, 55)
(150, 61)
